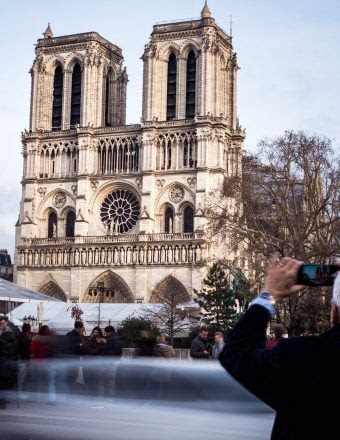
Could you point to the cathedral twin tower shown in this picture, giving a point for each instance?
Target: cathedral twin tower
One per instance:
(113, 212)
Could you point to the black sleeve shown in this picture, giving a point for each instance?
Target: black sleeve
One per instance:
(245, 357)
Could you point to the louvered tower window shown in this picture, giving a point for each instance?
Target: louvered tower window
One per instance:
(171, 90)
(57, 98)
(188, 224)
(70, 221)
(108, 99)
(191, 86)
(76, 95)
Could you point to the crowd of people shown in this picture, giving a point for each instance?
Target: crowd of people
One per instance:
(27, 359)
(22, 352)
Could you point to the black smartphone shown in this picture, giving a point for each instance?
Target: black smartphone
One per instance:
(317, 274)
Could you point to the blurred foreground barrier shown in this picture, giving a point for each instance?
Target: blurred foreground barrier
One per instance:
(180, 353)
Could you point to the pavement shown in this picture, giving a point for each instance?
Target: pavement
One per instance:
(125, 419)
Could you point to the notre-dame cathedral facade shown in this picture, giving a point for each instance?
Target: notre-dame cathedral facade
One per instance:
(118, 209)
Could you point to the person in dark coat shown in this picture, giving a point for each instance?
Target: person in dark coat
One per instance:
(8, 363)
(24, 344)
(299, 376)
(199, 346)
(75, 339)
(114, 344)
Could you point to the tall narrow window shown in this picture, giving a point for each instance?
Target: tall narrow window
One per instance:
(70, 221)
(171, 90)
(57, 98)
(76, 95)
(188, 223)
(108, 122)
(191, 86)
(168, 221)
(52, 225)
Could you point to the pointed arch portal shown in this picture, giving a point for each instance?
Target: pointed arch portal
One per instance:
(169, 290)
(52, 289)
(108, 288)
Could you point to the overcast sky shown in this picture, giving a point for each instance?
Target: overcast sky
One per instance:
(288, 51)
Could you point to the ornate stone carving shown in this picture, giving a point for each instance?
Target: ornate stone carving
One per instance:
(41, 65)
(59, 199)
(42, 190)
(176, 194)
(160, 183)
(94, 184)
(74, 189)
(139, 182)
(191, 181)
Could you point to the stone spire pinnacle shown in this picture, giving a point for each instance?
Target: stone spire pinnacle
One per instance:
(48, 33)
(205, 11)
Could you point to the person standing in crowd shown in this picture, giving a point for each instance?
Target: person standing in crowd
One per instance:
(4, 327)
(114, 344)
(93, 377)
(8, 361)
(280, 331)
(161, 374)
(218, 346)
(95, 343)
(24, 344)
(75, 339)
(145, 343)
(162, 348)
(199, 346)
(113, 347)
(299, 376)
(42, 350)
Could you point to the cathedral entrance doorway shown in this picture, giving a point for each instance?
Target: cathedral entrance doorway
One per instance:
(108, 288)
(52, 289)
(169, 291)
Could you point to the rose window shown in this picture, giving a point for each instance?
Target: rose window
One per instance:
(120, 211)
(176, 194)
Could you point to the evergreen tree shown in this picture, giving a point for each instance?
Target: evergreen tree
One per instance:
(217, 300)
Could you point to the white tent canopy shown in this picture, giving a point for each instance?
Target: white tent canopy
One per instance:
(58, 315)
(13, 293)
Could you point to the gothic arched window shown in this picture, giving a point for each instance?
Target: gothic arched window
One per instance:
(76, 95)
(70, 222)
(168, 220)
(57, 98)
(171, 88)
(191, 86)
(188, 219)
(52, 225)
(108, 99)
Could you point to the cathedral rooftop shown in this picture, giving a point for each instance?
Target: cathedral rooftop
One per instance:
(206, 19)
(50, 41)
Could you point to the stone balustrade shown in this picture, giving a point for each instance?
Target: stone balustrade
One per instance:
(108, 239)
(141, 249)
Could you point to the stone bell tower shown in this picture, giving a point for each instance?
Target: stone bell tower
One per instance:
(190, 69)
(77, 80)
